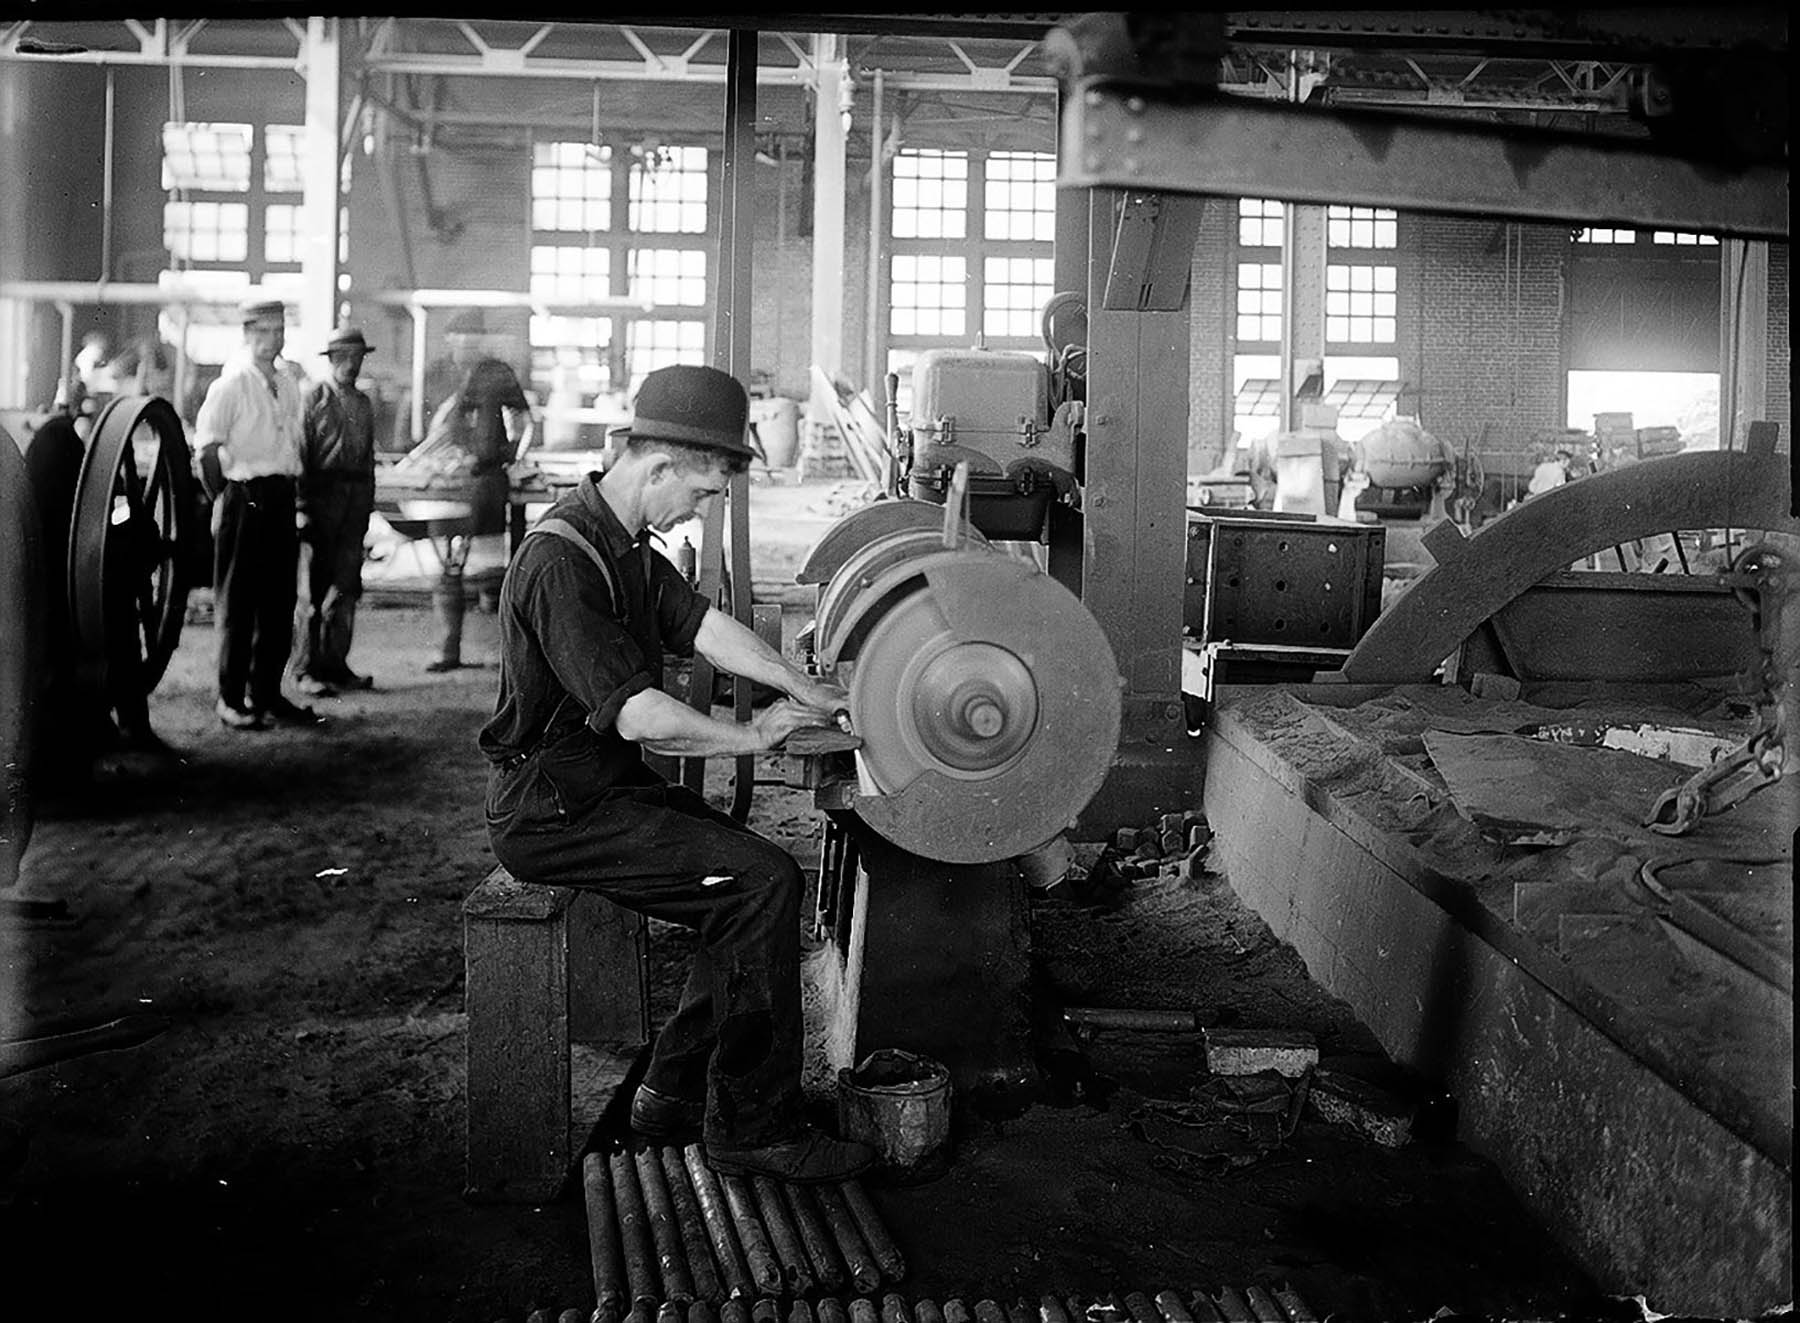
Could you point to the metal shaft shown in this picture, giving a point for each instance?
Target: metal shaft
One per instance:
(1233, 1306)
(734, 1311)
(671, 1259)
(634, 1230)
(874, 1231)
(796, 1271)
(1262, 1306)
(927, 1311)
(670, 1311)
(603, 1233)
(828, 1268)
(1172, 1308)
(986, 1311)
(801, 1312)
(701, 1311)
(831, 1310)
(765, 1310)
(691, 1223)
(955, 1311)
(765, 1271)
(864, 1273)
(1298, 1311)
(1203, 1309)
(1138, 1305)
(719, 1231)
(893, 1309)
(1017, 1311)
(1050, 1310)
(862, 1310)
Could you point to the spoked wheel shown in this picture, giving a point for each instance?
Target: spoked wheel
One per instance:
(134, 515)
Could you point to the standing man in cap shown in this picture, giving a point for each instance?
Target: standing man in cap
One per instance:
(337, 495)
(248, 437)
(587, 611)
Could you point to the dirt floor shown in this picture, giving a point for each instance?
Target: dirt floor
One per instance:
(291, 1145)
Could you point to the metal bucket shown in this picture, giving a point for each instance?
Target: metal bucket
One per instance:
(899, 1102)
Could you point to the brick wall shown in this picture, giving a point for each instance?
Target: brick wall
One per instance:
(1490, 364)
(1209, 352)
(1781, 362)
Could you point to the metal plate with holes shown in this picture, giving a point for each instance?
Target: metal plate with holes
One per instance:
(1306, 584)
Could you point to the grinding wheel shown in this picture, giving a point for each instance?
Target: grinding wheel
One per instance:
(987, 698)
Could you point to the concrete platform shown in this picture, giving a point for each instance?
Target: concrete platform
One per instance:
(1634, 1089)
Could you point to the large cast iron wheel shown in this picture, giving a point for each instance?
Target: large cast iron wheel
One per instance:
(134, 511)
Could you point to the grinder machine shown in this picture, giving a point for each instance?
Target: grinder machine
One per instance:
(985, 702)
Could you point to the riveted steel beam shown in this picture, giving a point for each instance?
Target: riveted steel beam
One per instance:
(1117, 134)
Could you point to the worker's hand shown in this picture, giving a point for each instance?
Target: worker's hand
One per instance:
(302, 522)
(820, 695)
(781, 719)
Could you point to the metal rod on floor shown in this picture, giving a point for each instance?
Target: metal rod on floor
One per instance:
(671, 1259)
(700, 1311)
(1262, 1306)
(691, 1223)
(874, 1231)
(862, 1310)
(765, 1310)
(718, 1226)
(831, 1310)
(927, 1311)
(634, 1231)
(1298, 1311)
(603, 1234)
(734, 1311)
(800, 1313)
(863, 1270)
(1138, 1305)
(893, 1309)
(1172, 1308)
(986, 1311)
(955, 1311)
(670, 1311)
(1050, 1310)
(1018, 1311)
(796, 1270)
(828, 1268)
(1203, 1309)
(1233, 1307)
(764, 1270)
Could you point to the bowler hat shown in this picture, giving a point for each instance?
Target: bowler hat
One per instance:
(257, 309)
(347, 338)
(696, 406)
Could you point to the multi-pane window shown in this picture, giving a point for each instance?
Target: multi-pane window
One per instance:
(1020, 197)
(1361, 227)
(581, 253)
(668, 275)
(668, 191)
(1360, 304)
(1259, 301)
(972, 238)
(931, 195)
(1016, 290)
(1259, 223)
(571, 187)
(1682, 238)
(231, 221)
(928, 296)
(1601, 235)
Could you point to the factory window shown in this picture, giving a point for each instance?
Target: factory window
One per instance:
(667, 191)
(1016, 289)
(1360, 304)
(1259, 223)
(567, 274)
(571, 348)
(571, 186)
(1681, 238)
(1606, 236)
(668, 275)
(931, 194)
(1020, 200)
(928, 295)
(281, 158)
(206, 231)
(1259, 301)
(211, 157)
(1360, 227)
(654, 344)
(281, 234)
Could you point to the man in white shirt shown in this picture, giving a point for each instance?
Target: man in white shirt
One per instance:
(248, 434)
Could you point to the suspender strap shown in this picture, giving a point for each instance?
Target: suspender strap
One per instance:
(567, 532)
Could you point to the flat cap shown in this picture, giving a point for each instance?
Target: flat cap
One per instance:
(256, 309)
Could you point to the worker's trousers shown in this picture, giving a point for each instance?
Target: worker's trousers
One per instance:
(254, 555)
(331, 560)
(660, 850)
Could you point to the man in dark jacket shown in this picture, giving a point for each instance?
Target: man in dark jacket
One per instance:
(337, 495)
(587, 611)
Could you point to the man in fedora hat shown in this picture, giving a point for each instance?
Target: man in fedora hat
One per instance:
(248, 438)
(587, 611)
(337, 495)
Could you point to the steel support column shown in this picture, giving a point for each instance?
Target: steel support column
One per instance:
(320, 207)
(829, 136)
(1302, 299)
(1118, 135)
(1134, 502)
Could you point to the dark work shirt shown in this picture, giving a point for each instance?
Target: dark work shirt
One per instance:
(338, 439)
(570, 658)
(474, 419)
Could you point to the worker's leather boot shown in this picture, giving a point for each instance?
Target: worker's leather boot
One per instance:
(810, 1158)
(659, 1116)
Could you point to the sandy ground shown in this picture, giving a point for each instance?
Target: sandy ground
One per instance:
(291, 1146)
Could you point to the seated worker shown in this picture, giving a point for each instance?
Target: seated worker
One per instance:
(587, 611)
